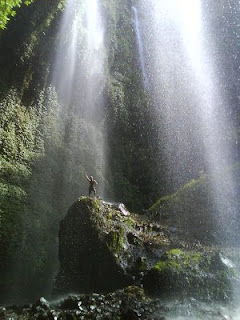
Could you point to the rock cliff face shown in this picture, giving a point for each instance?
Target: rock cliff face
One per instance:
(102, 248)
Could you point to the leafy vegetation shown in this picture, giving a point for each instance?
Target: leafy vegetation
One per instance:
(25, 206)
(8, 10)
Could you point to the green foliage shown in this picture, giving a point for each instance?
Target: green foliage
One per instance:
(22, 143)
(18, 129)
(42, 171)
(8, 10)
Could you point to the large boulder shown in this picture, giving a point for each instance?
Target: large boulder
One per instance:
(103, 248)
(89, 249)
(208, 276)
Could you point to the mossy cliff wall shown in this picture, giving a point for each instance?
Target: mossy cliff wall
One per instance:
(28, 132)
(41, 168)
(206, 214)
(128, 109)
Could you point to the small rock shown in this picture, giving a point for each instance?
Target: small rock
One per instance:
(172, 229)
(41, 304)
(131, 314)
(123, 209)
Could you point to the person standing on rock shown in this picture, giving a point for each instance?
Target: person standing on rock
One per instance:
(92, 185)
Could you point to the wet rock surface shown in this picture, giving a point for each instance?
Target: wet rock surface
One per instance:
(191, 274)
(100, 247)
(192, 213)
(103, 250)
(127, 304)
(134, 267)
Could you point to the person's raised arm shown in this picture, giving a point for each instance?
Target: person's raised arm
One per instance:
(87, 177)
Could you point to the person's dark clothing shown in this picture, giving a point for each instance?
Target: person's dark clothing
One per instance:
(92, 187)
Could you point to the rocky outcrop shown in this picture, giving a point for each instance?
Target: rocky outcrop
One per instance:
(103, 248)
(128, 304)
(191, 273)
(207, 213)
(90, 249)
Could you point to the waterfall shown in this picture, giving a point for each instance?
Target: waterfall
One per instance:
(191, 102)
(188, 84)
(187, 91)
(140, 46)
(79, 80)
(65, 62)
(80, 58)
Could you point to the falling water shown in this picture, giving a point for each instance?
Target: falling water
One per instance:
(79, 81)
(188, 97)
(140, 46)
(65, 64)
(191, 103)
(80, 55)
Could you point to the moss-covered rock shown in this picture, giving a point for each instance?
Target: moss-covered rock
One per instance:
(101, 249)
(91, 246)
(203, 211)
(191, 273)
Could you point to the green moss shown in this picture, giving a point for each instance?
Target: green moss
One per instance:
(175, 252)
(163, 266)
(115, 241)
(176, 260)
(141, 264)
(134, 292)
(168, 202)
(129, 222)
(193, 209)
(110, 215)
(179, 271)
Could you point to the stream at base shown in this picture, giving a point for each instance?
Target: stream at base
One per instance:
(196, 310)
